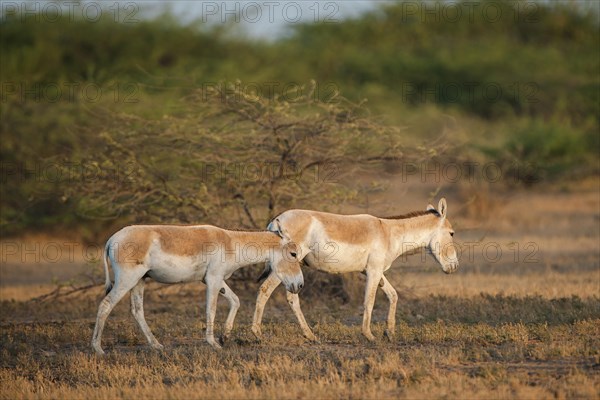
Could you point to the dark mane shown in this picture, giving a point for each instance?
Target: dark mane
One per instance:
(413, 214)
(246, 230)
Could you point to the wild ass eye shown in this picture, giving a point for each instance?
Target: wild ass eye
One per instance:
(451, 233)
(293, 254)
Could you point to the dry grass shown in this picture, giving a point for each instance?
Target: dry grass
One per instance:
(505, 329)
(547, 285)
(449, 345)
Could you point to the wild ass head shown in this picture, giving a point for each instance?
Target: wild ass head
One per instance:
(441, 243)
(287, 267)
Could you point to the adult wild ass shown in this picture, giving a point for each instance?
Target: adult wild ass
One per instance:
(173, 254)
(358, 243)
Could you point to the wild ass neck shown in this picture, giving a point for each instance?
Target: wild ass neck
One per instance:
(251, 247)
(410, 234)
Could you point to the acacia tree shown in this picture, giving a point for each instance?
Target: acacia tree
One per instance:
(231, 157)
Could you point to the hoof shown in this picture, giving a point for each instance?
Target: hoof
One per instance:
(257, 332)
(214, 345)
(311, 337)
(99, 351)
(370, 337)
(157, 347)
(389, 335)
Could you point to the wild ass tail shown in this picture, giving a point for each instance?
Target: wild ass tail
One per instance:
(108, 284)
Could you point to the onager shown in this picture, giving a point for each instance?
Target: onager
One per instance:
(358, 243)
(174, 254)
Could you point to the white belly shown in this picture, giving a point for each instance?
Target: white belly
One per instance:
(168, 268)
(338, 258)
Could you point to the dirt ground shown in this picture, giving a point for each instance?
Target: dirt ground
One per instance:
(520, 319)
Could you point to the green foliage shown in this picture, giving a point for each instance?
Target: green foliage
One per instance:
(520, 65)
(234, 158)
(551, 147)
(534, 150)
(37, 50)
(535, 69)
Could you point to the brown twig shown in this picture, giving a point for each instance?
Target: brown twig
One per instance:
(56, 293)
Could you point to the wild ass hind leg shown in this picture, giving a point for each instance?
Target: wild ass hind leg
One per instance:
(392, 296)
(213, 286)
(234, 305)
(264, 293)
(137, 310)
(294, 302)
(127, 280)
(373, 278)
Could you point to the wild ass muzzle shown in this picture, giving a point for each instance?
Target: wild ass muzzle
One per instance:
(175, 254)
(358, 243)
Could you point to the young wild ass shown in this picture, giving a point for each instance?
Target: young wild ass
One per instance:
(173, 254)
(358, 243)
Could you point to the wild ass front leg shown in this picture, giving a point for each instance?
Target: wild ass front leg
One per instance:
(264, 292)
(137, 310)
(234, 305)
(392, 296)
(294, 302)
(212, 294)
(373, 278)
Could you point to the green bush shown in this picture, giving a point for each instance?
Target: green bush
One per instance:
(537, 150)
(546, 70)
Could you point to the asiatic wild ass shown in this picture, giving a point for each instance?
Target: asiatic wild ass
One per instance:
(173, 254)
(358, 243)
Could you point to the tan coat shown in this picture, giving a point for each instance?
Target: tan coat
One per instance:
(359, 243)
(173, 254)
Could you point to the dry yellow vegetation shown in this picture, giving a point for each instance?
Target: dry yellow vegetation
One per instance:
(496, 329)
(447, 346)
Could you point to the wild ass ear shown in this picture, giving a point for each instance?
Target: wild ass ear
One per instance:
(430, 207)
(443, 207)
(275, 227)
